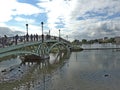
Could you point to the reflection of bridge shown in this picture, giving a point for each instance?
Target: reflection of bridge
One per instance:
(36, 48)
(24, 69)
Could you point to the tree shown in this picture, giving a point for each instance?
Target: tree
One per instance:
(84, 41)
(111, 40)
(76, 42)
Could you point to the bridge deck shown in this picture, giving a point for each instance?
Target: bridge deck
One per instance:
(13, 47)
(20, 48)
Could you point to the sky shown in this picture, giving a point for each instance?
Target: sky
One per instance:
(77, 19)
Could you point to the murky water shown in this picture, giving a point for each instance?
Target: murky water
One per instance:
(105, 45)
(9, 63)
(85, 70)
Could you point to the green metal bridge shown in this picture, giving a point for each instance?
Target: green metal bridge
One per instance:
(37, 48)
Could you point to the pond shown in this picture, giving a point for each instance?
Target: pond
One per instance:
(85, 70)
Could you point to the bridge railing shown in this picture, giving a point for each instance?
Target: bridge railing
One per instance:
(17, 40)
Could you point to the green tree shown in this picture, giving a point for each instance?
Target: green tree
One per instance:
(111, 40)
(76, 42)
(84, 41)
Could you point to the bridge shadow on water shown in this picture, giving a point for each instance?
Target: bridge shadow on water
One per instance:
(32, 75)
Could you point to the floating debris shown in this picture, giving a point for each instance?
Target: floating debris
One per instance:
(4, 70)
(106, 75)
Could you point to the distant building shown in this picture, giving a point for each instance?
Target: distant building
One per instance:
(105, 39)
(100, 40)
(117, 40)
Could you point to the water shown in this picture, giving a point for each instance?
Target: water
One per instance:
(9, 63)
(97, 45)
(85, 70)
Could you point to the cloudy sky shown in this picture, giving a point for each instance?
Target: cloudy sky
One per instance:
(79, 19)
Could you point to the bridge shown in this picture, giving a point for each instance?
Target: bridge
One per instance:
(37, 48)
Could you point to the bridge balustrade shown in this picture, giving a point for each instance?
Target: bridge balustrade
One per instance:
(33, 47)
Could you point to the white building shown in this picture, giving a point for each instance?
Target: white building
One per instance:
(117, 40)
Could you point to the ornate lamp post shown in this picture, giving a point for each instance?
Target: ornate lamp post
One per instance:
(27, 28)
(49, 32)
(42, 31)
(27, 36)
(59, 34)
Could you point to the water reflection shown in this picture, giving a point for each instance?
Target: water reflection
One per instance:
(9, 62)
(89, 70)
(30, 75)
(86, 70)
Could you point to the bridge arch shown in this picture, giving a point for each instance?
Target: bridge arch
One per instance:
(42, 49)
(59, 43)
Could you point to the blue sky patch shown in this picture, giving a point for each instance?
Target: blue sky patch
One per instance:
(32, 2)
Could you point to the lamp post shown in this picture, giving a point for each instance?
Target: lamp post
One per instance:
(59, 34)
(67, 37)
(49, 32)
(27, 36)
(42, 31)
(27, 28)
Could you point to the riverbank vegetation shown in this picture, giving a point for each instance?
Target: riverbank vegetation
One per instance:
(102, 40)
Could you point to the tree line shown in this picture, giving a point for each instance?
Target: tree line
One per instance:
(85, 41)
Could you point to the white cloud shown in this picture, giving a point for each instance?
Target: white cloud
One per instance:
(94, 27)
(20, 19)
(26, 9)
(68, 13)
(109, 28)
(33, 29)
(8, 9)
(57, 10)
(12, 10)
(5, 10)
(25, 20)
